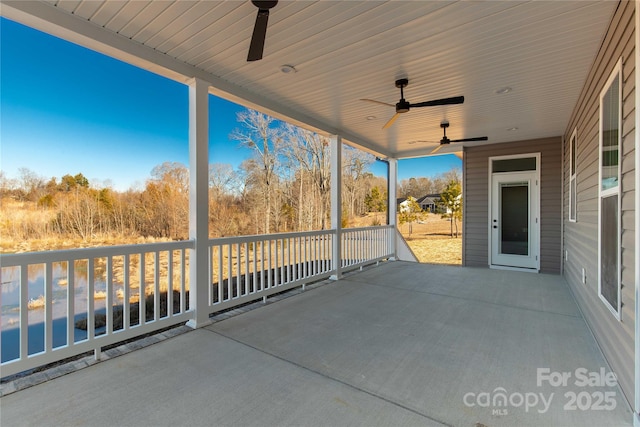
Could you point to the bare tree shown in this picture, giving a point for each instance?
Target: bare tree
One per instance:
(416, 187)
(355, 174)
(173, 173)
(78, 214)
(264, 140)
(310, 153)
(452, 175)
(7, 185)
(223, 179)
(163, 206)
(30, 183)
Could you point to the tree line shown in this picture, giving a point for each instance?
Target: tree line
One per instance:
(283, 186)
(418, 187)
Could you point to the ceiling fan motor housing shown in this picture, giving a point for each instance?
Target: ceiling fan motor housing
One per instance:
(402, 106)
(264, 4)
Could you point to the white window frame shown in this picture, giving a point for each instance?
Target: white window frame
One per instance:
(614, 191)
(573, 172)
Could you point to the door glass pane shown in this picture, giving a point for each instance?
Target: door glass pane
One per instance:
(514, 165)
(609, 250)
(514, 218)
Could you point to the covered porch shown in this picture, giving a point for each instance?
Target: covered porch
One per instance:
(397, 344)
(400, 344)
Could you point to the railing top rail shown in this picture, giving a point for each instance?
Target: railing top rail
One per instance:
(12, 260)
(373, 227)
(274, 236)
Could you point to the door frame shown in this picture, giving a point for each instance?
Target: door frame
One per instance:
(536, 212)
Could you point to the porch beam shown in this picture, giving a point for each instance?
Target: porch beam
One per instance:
(199, 202)
(336, 205)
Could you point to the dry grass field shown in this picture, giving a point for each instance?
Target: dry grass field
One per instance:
(432, 243)
(431, 240)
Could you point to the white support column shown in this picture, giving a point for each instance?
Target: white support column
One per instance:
(199, 202)
(392, 183)
(636, 409)
(336, 205)
(464, 205)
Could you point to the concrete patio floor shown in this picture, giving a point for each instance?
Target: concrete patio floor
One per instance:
(401, 344)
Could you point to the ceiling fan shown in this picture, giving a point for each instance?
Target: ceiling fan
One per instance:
(403, 105)
(260, 29)
(446, 141)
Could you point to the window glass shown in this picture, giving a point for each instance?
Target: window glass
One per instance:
(609, 209)
(609, 288)
(573, 155)
(573, 209)
(572, 195)
(610, 136)
(514, 165)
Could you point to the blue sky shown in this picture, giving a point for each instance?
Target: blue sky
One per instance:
(65, 109)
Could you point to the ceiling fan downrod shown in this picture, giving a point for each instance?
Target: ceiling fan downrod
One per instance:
(402, 106)
(444, 125)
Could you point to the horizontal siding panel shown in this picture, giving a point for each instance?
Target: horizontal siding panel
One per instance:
(616, 338)
(628, 201)
(476, 175)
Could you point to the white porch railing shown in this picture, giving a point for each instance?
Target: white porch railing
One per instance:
(60, 304)
(361, 246)
(250, 267)
(50, 300)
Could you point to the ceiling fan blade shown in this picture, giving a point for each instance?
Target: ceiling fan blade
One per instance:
(420, 141)
(378, 102)
(391, 120)
(259, 33)
(443, 101)
(480, 138)
(435, 150)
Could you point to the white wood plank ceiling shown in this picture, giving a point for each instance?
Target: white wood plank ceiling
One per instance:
(344, 51)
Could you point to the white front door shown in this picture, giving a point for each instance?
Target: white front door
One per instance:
(514, 220)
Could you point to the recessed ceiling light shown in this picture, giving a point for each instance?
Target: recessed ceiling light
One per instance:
(513, 129)
(288, 69)
(371, 117)
(502, 90)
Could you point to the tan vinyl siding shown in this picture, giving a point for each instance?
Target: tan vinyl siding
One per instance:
(616, 338)
(476, 180)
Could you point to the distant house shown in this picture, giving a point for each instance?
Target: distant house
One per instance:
(402, 204)
(430, 203)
